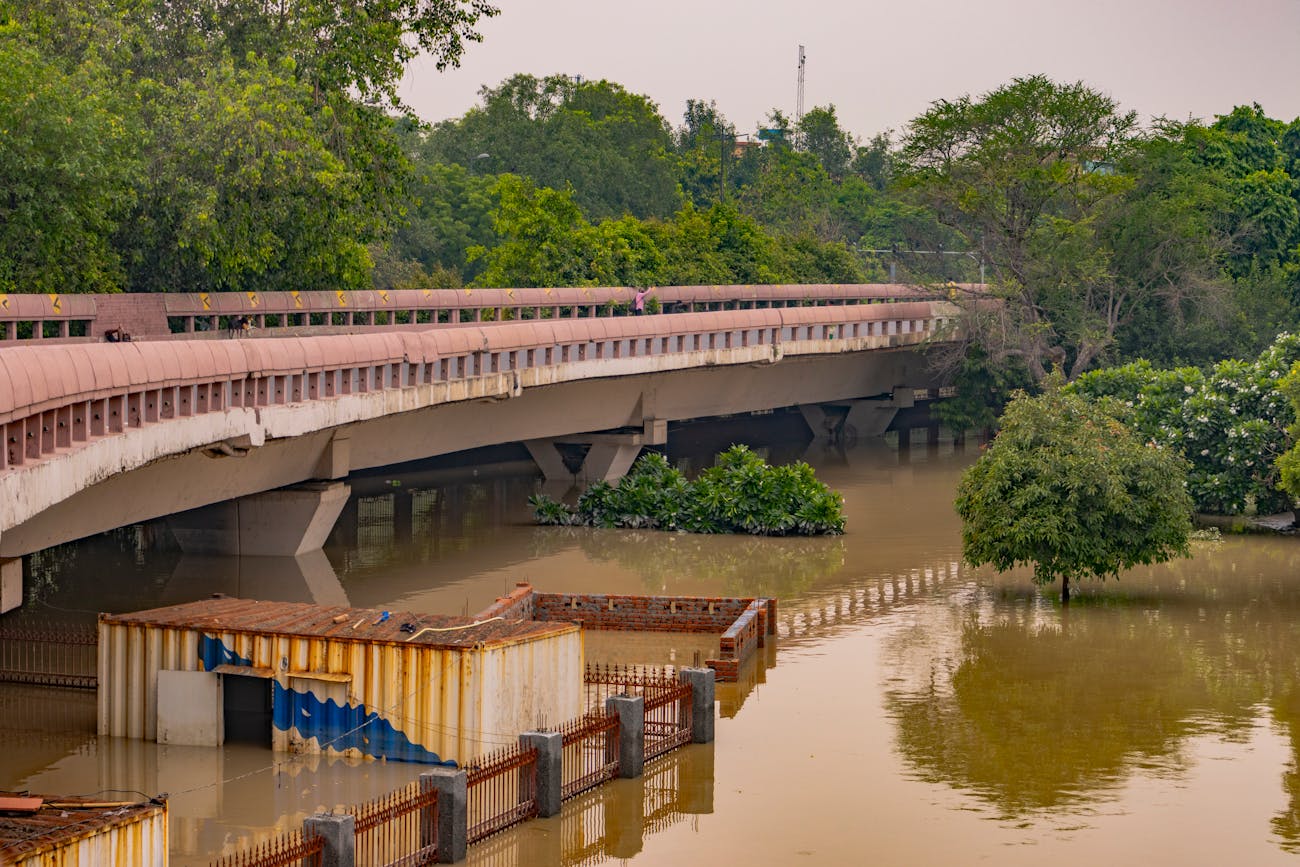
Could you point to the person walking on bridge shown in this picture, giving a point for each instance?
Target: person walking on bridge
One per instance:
(638, 300)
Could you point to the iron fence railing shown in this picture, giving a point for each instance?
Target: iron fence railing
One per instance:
(667, 719)
(502, 790)
(50, 654)
(590, 752)
(291, 849)
(399, 829)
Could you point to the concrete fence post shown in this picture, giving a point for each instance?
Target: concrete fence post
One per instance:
(550, 770)
(339, 831)
(453, 812)
(702, 692)
(631, 733)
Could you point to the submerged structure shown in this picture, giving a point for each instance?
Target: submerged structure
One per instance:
(309, 678)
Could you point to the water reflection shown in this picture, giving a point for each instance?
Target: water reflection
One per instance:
(1032, 707)
(613, 821)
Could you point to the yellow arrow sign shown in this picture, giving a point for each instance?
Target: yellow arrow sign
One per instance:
(428, 293)
(510, 293)
(252, 299)
(297, 300)
(56, 303)
(205, 301)
(343, 298)
(383, 295)
(4, 301)
(467, 290)
(548, 290)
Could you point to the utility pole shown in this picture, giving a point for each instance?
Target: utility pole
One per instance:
(798, 101)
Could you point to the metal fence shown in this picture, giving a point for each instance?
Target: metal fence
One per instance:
(667, 701)
(399, 829)
(590, 752)
(291, 849)
(502, 790)
(50, 654)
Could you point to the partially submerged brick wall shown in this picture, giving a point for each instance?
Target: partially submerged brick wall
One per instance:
(640, 613)
(743, 623)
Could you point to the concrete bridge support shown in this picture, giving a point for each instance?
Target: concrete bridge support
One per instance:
(280, 523)
(608, 459)
(856, 419)
(11, 584)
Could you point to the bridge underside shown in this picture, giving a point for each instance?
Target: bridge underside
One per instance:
(204, 476)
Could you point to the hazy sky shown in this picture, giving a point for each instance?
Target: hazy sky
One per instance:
(883, 63)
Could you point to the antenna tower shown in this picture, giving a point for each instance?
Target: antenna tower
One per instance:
(798, 102)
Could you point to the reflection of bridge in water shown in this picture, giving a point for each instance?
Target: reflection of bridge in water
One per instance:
(823, 613)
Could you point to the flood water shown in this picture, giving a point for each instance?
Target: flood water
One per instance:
(913, 711)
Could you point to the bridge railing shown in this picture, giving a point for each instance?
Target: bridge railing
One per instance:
(154, 316)
(55, 398)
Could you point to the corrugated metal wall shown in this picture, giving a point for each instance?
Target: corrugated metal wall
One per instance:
(141, 841)
(432, 704)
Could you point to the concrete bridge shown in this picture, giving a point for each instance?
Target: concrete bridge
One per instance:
(97, 435)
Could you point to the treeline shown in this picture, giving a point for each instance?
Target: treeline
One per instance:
(238, 145)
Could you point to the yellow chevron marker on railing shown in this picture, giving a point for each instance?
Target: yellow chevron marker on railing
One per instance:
(343, 297)
(383, 295)
(252, 299)
(297, 300)
(4, 301)
(205, 301)
(56, 303)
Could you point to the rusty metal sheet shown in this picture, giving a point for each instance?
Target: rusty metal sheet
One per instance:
(17, 804)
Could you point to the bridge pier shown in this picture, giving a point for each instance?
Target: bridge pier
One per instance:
(608, 459)
(282, 523)
(856, 419)
(11, 584)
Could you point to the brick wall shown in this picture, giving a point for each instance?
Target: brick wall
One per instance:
(742, 623)
(517, 606)
(641, 613)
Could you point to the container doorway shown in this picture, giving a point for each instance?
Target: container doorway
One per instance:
(247, 709)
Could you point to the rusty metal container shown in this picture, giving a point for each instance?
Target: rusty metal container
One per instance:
(404, 687)
(77, 832)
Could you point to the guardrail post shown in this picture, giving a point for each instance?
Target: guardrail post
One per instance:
(453, 812)
(702, 691)
(550, 770)
(631, 733)
(339, 831)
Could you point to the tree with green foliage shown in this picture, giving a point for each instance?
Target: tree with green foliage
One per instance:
(1023, 174)
(741, 493)
(820, 135)
(1069, 490)
(67, 169)
(1231, 422)
(609, 146)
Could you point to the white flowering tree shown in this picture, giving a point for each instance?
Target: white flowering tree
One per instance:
(1231, 423)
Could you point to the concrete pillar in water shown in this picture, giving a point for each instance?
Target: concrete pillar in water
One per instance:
(453, 812)
(608, 461)
(339, 831)
(702, 681)
(282, 523)
(11, 584)
(631, 733)
(550, 770)
(548, 460)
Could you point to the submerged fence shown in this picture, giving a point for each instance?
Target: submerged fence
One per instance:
(291, 849)
(400, 828)
(502, 791)
(590, 752)
(50, 654)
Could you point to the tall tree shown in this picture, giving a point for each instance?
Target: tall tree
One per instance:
(1022, 174)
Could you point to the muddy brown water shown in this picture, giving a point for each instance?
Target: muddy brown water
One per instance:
(914, 711)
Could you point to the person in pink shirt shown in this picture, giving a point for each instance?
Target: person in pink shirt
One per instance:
(638, 300)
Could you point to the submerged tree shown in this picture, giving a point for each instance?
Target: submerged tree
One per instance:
(1069, 490)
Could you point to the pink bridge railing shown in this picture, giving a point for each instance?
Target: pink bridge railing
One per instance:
(54, 398)
(87, 318)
